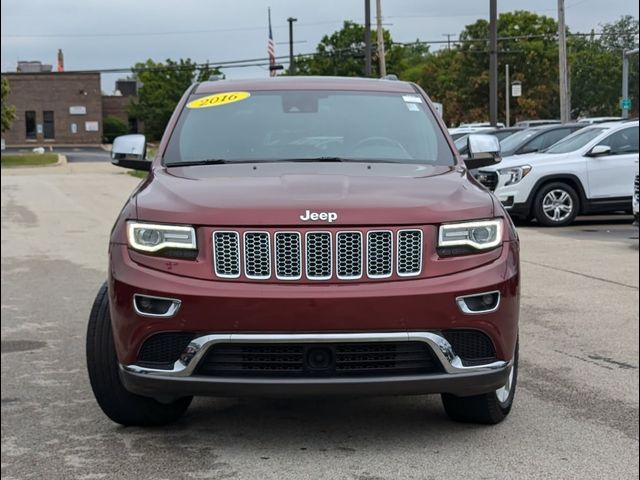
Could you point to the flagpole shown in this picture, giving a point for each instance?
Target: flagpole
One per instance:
(271, 47)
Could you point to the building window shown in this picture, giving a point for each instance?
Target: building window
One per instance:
(49, 127)
(30, 124)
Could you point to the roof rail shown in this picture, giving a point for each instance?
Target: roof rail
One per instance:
(389, 76)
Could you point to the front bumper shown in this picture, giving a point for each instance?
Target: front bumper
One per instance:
(416, 305)
(182, 380)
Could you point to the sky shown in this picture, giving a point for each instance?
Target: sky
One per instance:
(101, 34)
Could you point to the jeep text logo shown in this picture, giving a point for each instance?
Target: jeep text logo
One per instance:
(323, 216)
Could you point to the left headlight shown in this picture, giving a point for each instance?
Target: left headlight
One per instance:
(480, 235)
(149, 237)
(514, 174)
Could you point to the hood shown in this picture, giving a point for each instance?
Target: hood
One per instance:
(278, 194)
(527, 159)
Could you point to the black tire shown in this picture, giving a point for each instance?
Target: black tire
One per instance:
(486, 408)
(116, 402)
(538, 205)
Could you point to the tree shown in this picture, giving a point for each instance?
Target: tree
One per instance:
(162, 87)
(617, 37)
(459, 77)
(114, 127)
(342, 54)
(595, 89)
(8, 111)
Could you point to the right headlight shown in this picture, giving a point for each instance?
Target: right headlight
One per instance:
(515, 174)
(149, 237)
(479, 235)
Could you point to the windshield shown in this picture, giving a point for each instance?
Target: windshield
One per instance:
(575, 141)
(307, 125)
(509, 145)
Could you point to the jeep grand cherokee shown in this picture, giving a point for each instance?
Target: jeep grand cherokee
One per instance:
(306, 236)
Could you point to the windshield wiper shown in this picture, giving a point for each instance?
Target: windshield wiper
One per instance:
(191, 163)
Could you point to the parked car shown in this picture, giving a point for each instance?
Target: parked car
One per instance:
(588, 172)
(462, 143)
(536, 123)
(534, 139)
(592, 120)
(636, 198)
(306, 236)
(458, 132)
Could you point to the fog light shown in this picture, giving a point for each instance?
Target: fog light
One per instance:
(479, 303)
(149, 306)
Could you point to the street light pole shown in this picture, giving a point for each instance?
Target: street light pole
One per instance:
(381, 58)
(565, 100)
(367, 38)
(292, 63)
(507, 96)
(493, 62)
(625, 80)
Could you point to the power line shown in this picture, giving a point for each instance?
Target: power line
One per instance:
(263, 61)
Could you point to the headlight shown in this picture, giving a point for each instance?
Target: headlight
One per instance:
(148, 237)
(481, 235)
(515, 174)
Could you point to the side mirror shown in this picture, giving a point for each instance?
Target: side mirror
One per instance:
(129, 151)
(599, 151)
(483, 150)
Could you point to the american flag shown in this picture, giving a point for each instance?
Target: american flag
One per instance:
(271, 49)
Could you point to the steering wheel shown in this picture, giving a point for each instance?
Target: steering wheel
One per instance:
(381, 141)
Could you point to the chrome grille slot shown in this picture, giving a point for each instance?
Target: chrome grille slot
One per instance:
(257, 255)
(379, 254)
(318, 255)
(349, 255)
(409, 262)
(226, 254)
(288, 256)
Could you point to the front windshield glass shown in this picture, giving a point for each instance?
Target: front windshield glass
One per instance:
(575, 141)
(306, 125)
(510, 144)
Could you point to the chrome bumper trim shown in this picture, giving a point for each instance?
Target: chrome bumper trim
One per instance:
(197, 348)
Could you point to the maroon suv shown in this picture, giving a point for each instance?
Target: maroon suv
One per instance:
(306, 236)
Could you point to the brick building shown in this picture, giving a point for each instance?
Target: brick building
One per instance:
(118, 105)
(54, 108)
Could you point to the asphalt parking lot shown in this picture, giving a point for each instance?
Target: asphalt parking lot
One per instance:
(576, 410)
(73, 154)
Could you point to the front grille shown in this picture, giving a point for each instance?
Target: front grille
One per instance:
(318, 255)
(226, 254)
(472, 346)
(162, 350)
(257, 255)
(288, 256)
(488, 179)
(313, 360)
(349, 257)
(379, 254)
(409, 252)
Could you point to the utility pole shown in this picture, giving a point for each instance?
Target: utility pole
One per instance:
(448, 35)
(507, 96)
(367, 38)
(625, 81)
(493, 62)
(565, 101)
(292, 62)
(383, 62)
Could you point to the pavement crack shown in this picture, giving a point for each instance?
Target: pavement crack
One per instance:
(585, 275)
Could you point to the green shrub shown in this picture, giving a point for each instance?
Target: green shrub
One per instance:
(114, 127)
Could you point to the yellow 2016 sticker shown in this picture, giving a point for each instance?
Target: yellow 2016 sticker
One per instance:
(218, 99)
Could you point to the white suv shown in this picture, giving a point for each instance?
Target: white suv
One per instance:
(590, 171)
